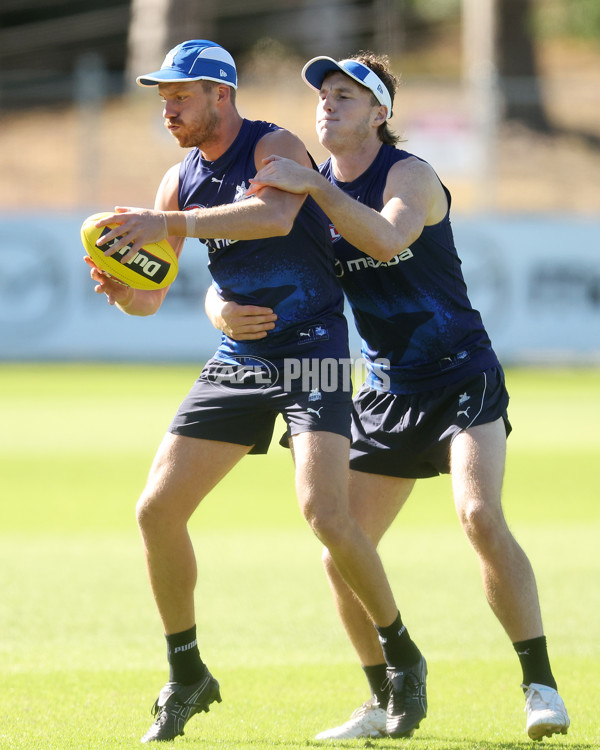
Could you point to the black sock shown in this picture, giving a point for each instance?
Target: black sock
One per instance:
(377, 678)
(533, 655)
(185, 664)
(399, 650)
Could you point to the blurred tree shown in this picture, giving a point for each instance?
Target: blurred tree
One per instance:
(574, 18)
(305, 26)
(514, 47)
(195, 20)
(146, 38)
(519, 79)
(158, 25)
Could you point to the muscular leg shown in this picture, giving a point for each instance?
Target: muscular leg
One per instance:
(183, 472)
(322, 487)
(508, 580)
(375, 501)
(477, 462)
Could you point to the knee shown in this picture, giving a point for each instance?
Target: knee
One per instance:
(150, 512)
(484, 527)
(330, 527)
(144, 514)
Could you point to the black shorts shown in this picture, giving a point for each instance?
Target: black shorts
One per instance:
(242, 407)
(409, 435)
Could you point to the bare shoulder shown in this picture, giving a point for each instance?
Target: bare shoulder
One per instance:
(282, 143)
(413, 180)
(413, 172)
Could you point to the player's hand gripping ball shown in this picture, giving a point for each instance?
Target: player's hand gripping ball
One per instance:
(153, 267)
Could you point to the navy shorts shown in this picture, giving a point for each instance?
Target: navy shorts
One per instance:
(239, 404)
(409, 435)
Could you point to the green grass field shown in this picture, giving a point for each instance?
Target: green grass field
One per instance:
(81, 647)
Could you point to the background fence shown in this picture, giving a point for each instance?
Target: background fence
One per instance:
(496, 95)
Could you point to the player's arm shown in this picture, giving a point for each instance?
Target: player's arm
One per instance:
(138, 301)
(239, 322)
(413, 198)
(270, 214)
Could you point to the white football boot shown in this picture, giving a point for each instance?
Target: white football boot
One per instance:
(546, 712)
(366, 721)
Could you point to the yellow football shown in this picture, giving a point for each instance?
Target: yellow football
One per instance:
(153, 267)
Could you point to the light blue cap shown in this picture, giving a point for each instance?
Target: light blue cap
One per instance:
(194, 60)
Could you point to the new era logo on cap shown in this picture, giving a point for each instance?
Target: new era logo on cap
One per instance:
(194, 60)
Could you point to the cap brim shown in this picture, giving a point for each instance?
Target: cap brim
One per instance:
(175, 76)
(161, 76)
(316, 69)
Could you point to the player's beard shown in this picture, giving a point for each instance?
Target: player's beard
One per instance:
(201, 132)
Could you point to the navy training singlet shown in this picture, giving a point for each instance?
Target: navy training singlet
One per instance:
(412, 311)
(294, 275)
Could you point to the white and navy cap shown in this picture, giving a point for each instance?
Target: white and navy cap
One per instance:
(316, 69)
(194, 60)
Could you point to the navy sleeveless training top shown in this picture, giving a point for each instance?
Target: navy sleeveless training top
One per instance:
(294, 275)
(412, 311)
